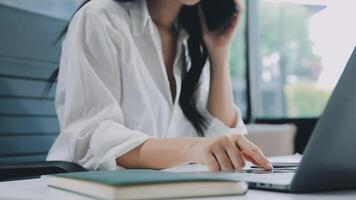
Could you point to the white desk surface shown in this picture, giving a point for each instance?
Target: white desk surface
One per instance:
(36, 189)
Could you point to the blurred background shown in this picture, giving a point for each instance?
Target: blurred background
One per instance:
(286, 60)
(288, 57)
(300, 49)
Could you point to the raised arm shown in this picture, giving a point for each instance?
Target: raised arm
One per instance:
(220, 102)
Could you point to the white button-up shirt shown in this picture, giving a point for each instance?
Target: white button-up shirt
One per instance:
(113, 92)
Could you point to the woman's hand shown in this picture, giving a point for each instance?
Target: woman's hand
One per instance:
(219, 42)
(228, 153)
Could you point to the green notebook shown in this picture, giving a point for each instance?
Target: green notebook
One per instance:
(146, 184)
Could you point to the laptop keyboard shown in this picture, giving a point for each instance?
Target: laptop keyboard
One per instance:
(280, 177)
(277, 176)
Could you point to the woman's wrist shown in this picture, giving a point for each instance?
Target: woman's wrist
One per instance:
(192, 152)
(219, 59)
(219, 69)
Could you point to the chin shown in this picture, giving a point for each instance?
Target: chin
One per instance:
(189, 2)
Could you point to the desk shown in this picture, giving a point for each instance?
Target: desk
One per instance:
(36, 189)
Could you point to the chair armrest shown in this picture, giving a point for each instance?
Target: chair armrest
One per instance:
(29, 170)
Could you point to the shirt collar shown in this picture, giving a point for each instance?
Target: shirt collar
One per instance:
(139, 16)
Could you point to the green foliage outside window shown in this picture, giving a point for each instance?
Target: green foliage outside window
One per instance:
(305, 100)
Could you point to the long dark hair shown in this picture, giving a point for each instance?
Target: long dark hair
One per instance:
(197, 51)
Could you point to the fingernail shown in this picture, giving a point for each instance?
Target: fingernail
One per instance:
(269, 165)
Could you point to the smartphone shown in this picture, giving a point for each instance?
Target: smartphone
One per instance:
(219, 13)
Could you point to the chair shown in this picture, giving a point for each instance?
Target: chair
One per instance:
(28, 55)
(274, 140)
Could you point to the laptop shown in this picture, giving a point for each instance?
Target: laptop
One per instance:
(329, 160)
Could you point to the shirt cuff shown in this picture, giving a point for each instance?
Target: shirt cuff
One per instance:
(217, 127)
(109, 160)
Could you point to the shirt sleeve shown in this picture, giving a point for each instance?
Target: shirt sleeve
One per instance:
(215, 126)
(88, 98)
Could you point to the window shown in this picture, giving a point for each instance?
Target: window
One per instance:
(300, 48)
(238, 66)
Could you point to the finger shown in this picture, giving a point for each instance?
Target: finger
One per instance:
(212, 163)
(235, 20)
(250, 159)
(253, 151)
(239, 10)
(239, 5)
(223, 159)
(202, 19)
(232, 27)
(236, 157)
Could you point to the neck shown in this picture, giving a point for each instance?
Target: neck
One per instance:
(164, 12)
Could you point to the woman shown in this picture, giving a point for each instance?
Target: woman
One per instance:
(133, 91)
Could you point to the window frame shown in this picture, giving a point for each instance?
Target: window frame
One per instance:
(305, 125)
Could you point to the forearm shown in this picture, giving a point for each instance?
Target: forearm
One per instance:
(159, 154)
(220, 153)
(220, 102)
